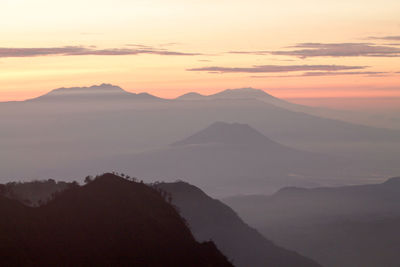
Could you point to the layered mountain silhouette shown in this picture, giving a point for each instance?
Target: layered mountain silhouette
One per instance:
(343, 226)
(225, 159)
(210, 219)
(241, 93)
(104, 121)
(107, 92)
(108, 222)
(33, 193)
(388, 120)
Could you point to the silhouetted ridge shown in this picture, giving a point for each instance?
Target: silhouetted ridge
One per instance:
(33, 193)
(226, 133)
(243, 93)
(345, 226)
(210, 219)
(395, 181)
(240, 93)
(94, 93)
(108, 222)
(191, 96)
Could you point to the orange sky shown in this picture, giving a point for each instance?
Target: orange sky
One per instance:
(350, 48)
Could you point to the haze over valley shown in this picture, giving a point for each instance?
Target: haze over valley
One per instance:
(200, 133)
(91, 130)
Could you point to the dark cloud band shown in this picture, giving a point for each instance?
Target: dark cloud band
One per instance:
(82, 51)
(329, 73)
(277, 68)
(306, 50)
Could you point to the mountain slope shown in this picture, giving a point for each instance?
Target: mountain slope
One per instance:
(226, 159)
(228, 134)
(210, 219)
(343, 226)
(109, 222)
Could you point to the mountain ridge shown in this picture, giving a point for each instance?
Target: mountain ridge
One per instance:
(363, 219)
(108, 222)
(103, 91)
(211, 219)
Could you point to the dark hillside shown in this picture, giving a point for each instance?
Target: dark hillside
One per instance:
(108, 222)
(211, 219)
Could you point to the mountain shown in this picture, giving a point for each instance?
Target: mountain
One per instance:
(228, 134)
(367, 117)
(33, 193)
(241, 93)
(100, 92)
(36, 131)
(224, 159)
(342, 226)
(191, 96)
(109, 222)
(210, 219)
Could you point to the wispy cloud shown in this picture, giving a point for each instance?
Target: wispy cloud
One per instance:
(329, 73)
(305, 50)
(81, 51)
(277, 68)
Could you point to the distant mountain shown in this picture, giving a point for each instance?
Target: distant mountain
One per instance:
(210, 219)
(228, 134)
(33, 193)
(373, 118)
(105, 121)
(101, 92)
(241, 93)
(249, 93)
(109, 222)
(225, 159)
(191, 96)
(342, 226)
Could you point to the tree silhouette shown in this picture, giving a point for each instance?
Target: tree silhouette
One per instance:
(88, 179)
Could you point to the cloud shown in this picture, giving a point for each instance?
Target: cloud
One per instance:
(82, 51)
(305, 50)
(277, 68)
(321, 73)
(328, 73)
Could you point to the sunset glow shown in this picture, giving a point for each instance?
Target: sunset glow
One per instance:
(314, 48)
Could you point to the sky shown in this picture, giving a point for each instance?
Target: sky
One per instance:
(307, 49)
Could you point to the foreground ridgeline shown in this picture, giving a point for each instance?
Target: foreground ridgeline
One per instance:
(209, 218)
(110, 221)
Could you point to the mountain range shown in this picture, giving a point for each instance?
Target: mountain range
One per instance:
(71, 125)
(337, 226)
